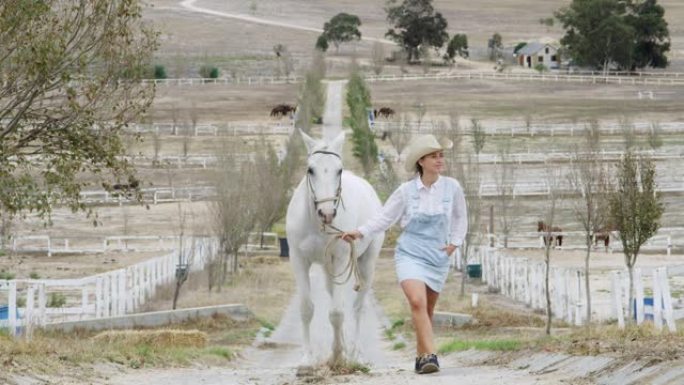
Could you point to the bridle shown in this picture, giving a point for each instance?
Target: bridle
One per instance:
(352, 267)
(337, 198)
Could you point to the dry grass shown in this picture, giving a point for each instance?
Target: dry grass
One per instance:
(160, 339)
(634, 342)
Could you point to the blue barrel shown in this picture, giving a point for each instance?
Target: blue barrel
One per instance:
(474, 270)
(284, 247)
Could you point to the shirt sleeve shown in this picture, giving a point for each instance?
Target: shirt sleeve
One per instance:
(459, 217)
(389, 215)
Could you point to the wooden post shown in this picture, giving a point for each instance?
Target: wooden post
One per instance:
(122, 291)
(98, 298)
(84, 301)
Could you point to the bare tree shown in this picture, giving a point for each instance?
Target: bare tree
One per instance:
(635, 209)
(272, 188)
(400, 136)
(551, 206)
(186, 253)
(505, 184)
(233, 210)
(378, 57)
(655, 141)
(470, 182)
(590, 178)
(311, 99)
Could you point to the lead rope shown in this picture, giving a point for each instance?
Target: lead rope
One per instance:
(352, 266)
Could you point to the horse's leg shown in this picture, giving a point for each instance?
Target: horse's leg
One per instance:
(366, 264)
(301, 270)
(336, 314)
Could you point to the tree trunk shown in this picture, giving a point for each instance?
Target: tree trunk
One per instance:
(586, 279)
(547, 290)
(630, 313)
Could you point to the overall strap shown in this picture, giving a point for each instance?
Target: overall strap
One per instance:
(412, 199)
(448, 204)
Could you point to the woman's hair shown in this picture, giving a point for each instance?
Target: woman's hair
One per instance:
(419, 168)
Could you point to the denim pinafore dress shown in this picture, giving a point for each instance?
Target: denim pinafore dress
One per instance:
(419, 253)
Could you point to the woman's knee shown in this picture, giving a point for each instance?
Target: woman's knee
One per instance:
(417, 302)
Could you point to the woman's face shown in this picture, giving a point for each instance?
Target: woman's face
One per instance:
(432, 163)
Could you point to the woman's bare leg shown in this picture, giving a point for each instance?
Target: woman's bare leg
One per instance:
(416, 293)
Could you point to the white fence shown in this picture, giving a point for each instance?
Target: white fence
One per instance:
(524, 280)
(520, 128)
(215, 129)
(51, 245)
(642, 78)
(103, 295)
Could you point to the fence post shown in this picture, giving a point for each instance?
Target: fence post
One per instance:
(667, 300)
(29, 312)
(122, 291)
(84, 301)
(42, 304)
(98, 297)
(657, 301)
(639, 296)
(12, 311)
(617, 299)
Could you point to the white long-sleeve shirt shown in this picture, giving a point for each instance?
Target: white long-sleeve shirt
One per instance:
(430, 202)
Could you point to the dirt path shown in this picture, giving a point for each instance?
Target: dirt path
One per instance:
(190, 6)
(274, 360)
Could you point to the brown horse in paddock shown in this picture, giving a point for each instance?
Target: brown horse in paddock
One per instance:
(544, 228)
(385, 112)
(282, 110)
(603, 234)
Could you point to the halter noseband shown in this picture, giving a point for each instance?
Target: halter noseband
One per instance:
(338, 197)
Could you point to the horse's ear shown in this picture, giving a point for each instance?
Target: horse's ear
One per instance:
(308, 141)
(337, 143)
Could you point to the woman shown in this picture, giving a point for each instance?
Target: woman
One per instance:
(433, 216)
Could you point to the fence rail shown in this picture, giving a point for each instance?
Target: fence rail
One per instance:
(645, 78)
(108, 294)
(524, 280)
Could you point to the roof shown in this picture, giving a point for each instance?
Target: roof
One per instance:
(533, 48)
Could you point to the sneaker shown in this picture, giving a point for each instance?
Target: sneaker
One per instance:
(417, 363)
(428, 364)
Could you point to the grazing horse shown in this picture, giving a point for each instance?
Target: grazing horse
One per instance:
(603, 234)
(385, 112)
(543, 227)
(282, 110)
(328, 200)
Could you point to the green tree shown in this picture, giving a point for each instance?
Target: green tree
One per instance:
(652, 36)
(416, 24)
(629, 34)
(458, 45)
(311, 99)
(70, 82)
(358, 101)
(322, 43)
(495, 46)
(635, 208)
(342, 28)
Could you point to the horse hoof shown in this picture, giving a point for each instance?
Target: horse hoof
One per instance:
(305, 371)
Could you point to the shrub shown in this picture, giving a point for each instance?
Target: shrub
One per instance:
(34, 275)
(6, 275)
(209, 72)
(159, 71)
(322, 43)
(56, 300)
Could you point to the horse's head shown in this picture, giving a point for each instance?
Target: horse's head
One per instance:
(541, 226)
(324, 175)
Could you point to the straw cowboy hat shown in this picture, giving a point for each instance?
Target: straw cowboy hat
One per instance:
(421, 146)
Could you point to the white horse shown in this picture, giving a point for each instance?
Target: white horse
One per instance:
(338, 199)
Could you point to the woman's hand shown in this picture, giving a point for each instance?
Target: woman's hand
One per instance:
(351, 236)
(449, 249)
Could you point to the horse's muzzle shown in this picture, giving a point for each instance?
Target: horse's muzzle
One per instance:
(327, 218)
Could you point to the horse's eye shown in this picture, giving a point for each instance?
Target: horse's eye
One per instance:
(339, 172)
(310, 171)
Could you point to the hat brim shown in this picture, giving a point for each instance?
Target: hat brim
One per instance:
(414, 156)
